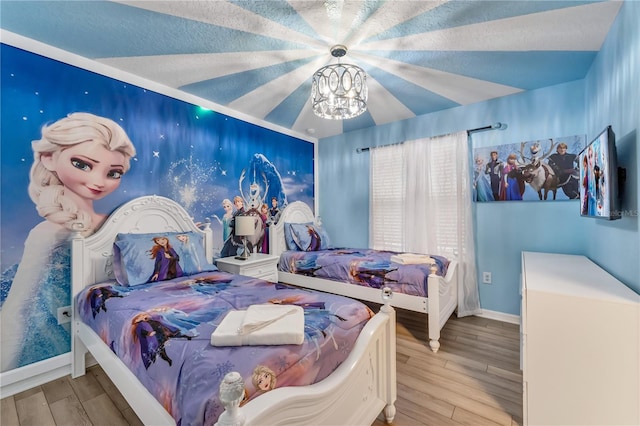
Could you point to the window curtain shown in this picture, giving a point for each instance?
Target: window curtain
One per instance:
(431, 181)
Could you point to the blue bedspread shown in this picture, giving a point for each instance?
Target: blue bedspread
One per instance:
(366, 267)
(162, 331)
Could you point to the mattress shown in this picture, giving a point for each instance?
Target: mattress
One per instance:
(365, 267)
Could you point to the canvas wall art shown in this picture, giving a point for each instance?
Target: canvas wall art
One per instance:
(537, 170)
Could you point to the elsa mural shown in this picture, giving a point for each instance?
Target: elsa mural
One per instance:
(79, 159)
(72, 153)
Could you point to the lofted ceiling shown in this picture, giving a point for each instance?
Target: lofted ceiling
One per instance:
(257, 57)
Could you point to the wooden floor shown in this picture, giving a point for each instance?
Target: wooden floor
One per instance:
(474, 379)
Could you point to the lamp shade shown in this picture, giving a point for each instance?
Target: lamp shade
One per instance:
(245, 225)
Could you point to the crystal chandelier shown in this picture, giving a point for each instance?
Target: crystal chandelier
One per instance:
(339, 91)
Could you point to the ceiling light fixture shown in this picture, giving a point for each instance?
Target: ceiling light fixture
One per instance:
(339, 91)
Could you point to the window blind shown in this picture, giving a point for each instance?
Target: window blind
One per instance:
(386, 199)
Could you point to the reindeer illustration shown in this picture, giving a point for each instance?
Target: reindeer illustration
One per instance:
(539, 175)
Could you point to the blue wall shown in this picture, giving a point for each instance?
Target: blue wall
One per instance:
(612, 89)
(504, 230)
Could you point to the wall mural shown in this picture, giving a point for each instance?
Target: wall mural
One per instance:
(76, 145)
(545, 169)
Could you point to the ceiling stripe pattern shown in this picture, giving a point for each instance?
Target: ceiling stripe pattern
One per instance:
(257, 57)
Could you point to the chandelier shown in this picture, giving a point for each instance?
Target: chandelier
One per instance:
(339, 91)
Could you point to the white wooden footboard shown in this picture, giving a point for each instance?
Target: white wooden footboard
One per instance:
(354, 394)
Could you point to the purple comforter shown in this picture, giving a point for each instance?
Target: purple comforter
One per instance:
(162, 331)
(366, 267)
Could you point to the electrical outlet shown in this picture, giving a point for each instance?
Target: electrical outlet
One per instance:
(64, 315)
(486, 277)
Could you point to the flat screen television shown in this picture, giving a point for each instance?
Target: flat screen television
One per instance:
(599, 180)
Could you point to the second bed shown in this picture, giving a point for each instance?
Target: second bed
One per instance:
(419, 283)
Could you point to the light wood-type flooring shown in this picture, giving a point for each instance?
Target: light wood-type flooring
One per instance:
(474, 379)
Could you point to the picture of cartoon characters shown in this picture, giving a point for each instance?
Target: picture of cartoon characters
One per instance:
(166, 260)
(481, 185)
(510, 189)
(78, 160)
(531, 170)
(494, 170)
(274, 211)
(97, 297)
(565, 165)
(263, 378)
(233, 243)
(188, 254)
(263, 242)
(152, 333)
(108, 115)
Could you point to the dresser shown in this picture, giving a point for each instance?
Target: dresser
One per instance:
(258, 265)
(580, 340)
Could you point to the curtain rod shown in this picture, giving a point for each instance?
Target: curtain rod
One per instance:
(495, 126)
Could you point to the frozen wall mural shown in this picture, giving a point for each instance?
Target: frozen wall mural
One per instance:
(214, 165)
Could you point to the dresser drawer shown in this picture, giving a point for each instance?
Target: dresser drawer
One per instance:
(260, 271)
(259, 265)
(270, 276)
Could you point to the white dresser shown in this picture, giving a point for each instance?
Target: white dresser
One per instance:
(258, 265)
(580, 338)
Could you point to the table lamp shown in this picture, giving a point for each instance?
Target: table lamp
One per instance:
(244, 226)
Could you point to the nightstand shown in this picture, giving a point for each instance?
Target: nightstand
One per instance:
(258, 265)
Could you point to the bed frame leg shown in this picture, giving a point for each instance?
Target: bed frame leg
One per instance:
(389, 413)
(391, 375)
(78, 350)
(434, 282)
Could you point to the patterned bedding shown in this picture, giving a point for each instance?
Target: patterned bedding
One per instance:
(162, 331)
(366, 267)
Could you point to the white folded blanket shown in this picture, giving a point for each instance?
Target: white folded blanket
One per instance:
(412, 258)
(261, 325)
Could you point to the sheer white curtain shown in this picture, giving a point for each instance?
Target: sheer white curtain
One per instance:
(431, 191)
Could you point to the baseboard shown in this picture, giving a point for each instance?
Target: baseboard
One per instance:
(500, 316)
(36, 374)
(32, 375)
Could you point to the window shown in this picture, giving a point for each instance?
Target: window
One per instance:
(420, 202)
(387, 196)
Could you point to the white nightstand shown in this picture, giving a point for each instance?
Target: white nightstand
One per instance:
(258, 265)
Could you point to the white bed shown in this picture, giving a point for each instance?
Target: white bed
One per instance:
(442, 291)
(355, 393)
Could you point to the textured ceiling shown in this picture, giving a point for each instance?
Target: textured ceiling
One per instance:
(257, 57)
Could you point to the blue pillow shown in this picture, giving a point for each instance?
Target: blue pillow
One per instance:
(141, 258)
(288, 235)
(309, 237)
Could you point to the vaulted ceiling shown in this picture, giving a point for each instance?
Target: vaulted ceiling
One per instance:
(257, 57)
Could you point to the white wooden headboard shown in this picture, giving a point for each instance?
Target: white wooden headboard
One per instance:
(92, 257)
(296, 212)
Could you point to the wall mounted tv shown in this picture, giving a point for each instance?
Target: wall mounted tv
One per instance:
(600, 178)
